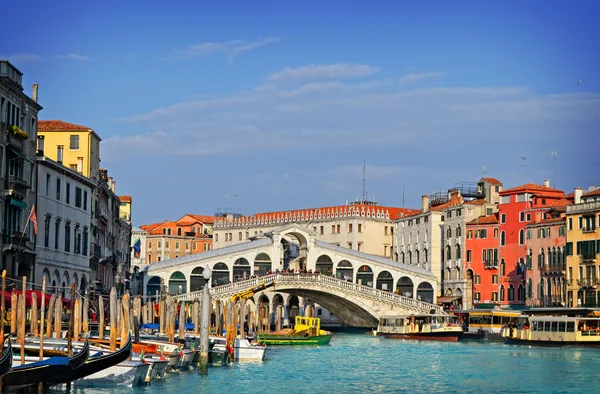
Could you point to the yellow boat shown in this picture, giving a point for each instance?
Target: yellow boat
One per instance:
(306, 331)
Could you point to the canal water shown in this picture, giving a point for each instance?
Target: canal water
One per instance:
(358, 363)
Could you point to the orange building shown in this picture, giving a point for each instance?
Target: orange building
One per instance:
(190, 234)
(482, 257)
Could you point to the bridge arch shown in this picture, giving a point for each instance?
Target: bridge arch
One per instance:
(405, 287)
(262, 264)
(385, 281)
(241, 269)
(177, 283)
(325, 265)
(364, 276)
(345, 271)
(220, 274)
(153, 286)
(425, 292)
(197, 281)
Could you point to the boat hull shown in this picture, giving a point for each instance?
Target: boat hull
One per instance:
(293, 340)
(434, 336)
(127, 373)
(527, 342)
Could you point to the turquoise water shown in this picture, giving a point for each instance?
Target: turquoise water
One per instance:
(358, 363)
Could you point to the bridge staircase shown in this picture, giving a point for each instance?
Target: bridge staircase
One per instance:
(334, 285)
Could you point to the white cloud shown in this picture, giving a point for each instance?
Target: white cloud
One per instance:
(322, 116)
(16, 58)
(230, 48)
(314, 72)
(73, 56)
(416, 77)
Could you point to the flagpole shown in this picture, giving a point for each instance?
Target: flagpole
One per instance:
(28, 220)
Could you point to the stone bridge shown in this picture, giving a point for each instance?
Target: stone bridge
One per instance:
(357, 287)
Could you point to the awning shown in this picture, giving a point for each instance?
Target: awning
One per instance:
(447, 299)
(20, 154)
(18, 203)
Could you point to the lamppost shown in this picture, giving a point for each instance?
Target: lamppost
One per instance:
(204, 320)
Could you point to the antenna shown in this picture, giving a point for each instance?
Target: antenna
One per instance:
(403, 190)
(554, 160)
(364, 194)
(484, 170)
(523, 158)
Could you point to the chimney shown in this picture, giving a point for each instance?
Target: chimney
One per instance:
(114, 185)
(577, 194)
(546, 182)
(59, 153)
(80, 165)
(425, 203)
(40, 145)
(34, 92)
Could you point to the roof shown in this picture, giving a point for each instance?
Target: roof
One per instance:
(548, 221)
(595, 192)
(202, 218)
(454, 201)
(199, 257)
(487, 219)
(493, 181)
(125, 199)
(153, 226)
(372, 257)
(59, 125)
(563, 202)
(530, 187)
(479, 201)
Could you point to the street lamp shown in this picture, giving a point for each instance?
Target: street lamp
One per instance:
(204, 319)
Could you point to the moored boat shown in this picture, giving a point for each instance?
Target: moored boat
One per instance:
(420, 327)
(35, 372)
(306, 331)
(553, 331)
(243, 350)
(6, 359)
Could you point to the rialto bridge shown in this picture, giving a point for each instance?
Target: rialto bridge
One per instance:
(357, 287)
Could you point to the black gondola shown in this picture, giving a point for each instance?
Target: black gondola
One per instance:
(6, 360)
(93, 365)
(21, 376)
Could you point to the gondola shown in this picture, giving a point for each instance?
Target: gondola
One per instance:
(93, 365)
(6, 360)
(21, 376)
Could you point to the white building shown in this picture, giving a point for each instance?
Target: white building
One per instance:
(64, 216)
(138, 258)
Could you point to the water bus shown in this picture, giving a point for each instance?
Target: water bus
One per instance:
(421, 327)
(486, 324)
(553, 331)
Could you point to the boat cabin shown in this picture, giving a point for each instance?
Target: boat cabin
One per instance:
(490, 320)
(578, 330)
(414, 324)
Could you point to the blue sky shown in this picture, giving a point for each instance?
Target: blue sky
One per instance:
(280, 103)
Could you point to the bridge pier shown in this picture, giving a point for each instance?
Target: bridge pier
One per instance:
(271, 313)
(286, 315)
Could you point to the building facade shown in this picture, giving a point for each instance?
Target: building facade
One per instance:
(125, 209)
(64, 216)
(517, 208)
(18, 144)
(583, 249)
(482, 258)
(362, 226)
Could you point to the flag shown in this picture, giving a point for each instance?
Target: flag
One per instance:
(142, 356)
(33, 219)
(137, 248)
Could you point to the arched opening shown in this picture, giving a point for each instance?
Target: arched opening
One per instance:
(448, 292)
(262, 264)
(220, 274)
(197, 281)
(511, 292)
(309, 311)
(502, 293)
(241, 269)
(264, 323)
(469, 291)
(530, 289)
(385, 281)
(294, 308)
(364, 276)
(345, 271)
(75, 280)
(425, 292)
(153, 286)
(177, 283)
(405, 287)
(65, 284)
(179, 231)
(83, 284)
(325, 265)
(279, 312)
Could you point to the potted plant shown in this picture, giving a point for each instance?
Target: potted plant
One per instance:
(17, 132)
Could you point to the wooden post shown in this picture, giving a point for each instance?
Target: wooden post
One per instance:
(51, 306)
(58, 317)
(113, 319)
(34, 315)
(14, 299)
(85, 317)
(77, 320)
(42, 327)
(182, 321)
(137, 307)
(21, 319)
(125, 320)
(3, 304)
(171, 318)
(162, 314)
(71, 319)
(196, 315)
(100, 317)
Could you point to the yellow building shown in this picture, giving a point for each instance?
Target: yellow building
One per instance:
(583, 249)
(74, 146)
(125, 208)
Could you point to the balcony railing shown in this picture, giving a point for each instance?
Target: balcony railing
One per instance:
(16, 142)
(96, 251)
(547, 268)
(588, 282)
(583, 207)
(490, 264)
(17, 186)
(15, 238)
(590, 229)
(588, 257)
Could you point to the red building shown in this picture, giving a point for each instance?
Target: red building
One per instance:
(482, 257)
(515, 212)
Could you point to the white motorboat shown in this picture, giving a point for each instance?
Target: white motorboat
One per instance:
(126, 373)
(186, 356)
(243, 350)
(157, 369)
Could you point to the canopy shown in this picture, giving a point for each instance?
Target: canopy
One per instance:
(28, 293)
(447, 299)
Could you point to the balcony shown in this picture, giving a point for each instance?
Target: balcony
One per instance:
(590, 229)
(490, 264)
(103, 216)
(588, 282)
(583, 207)
(15, 238)
(15, 142)
(553, 268)
(17, 187)
(588, 257)
(96, 251)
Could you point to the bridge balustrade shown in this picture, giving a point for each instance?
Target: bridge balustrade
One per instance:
(282, 278)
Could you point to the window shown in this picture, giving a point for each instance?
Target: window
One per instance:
(349, 227)
(468, 256)
(511, 293)
(483, 233)
(503, 218)
(176, 245)
(458, 231)
(195, 245)
(529, 233)
(47, 184)
(323, 229)
(47, 231)
(240, 236)
(385, 231)
(469, 234)
(85, 241)
(149, 245)
(359, 228)
(68, 193)
(521, 216)
(167, 244)
(187, 245)
(495, 233)
(67, 237)
(333, 229)
(449, 232)
(216, 239)
(502, 238)
(168, 231)
(85, 200)
(521, 237)
(74, 143)
(495, 296)
(502, 293)
(494, 279)
(77, 246)
(338, 229)
(58, 188)
(458, 251)
(484, 255)
(179, 231)
(477, 279)
(502, 268)
(78, 197)
(528, 217)
(56, 233)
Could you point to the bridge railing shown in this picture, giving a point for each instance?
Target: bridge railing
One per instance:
(281, 278)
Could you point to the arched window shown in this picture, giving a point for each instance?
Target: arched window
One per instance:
(417, 256)
(448, 253)
(469, 234)
(149, 259)
(502, 238)
(402, 256)
(168, 231)
(409, 257)
(495, 233)
(425, 255)
(449, 232)
(458, 231)
(502, 293)
(458, 251)
(521, 237)
(529, 288)
(502, 268)
(179, 231)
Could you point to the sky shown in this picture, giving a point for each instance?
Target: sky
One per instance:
(274, 105)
